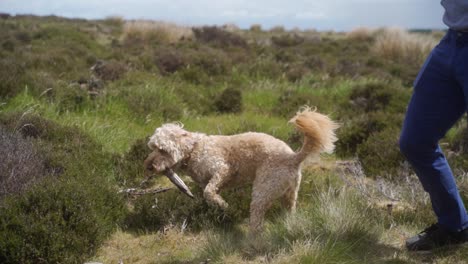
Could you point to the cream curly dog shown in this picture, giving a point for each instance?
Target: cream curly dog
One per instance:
(217, 162)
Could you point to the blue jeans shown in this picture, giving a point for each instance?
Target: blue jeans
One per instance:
(440, 98)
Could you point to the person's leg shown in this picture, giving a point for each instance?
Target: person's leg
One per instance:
(461, 63)
(437, 103)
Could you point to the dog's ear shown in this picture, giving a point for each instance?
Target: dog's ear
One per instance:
(169, 138)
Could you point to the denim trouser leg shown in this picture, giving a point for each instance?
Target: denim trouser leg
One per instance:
(438, 101)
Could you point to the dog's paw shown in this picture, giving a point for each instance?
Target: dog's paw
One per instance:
(223, 205)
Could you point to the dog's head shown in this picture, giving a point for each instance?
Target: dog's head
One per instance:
(170, 144)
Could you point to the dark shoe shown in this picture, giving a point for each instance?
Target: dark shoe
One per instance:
(435, 237)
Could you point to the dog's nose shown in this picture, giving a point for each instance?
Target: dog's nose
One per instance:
(149, 167)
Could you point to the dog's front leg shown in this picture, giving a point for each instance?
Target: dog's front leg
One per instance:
(211, 192)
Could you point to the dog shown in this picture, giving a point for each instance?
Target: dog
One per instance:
(216, 162)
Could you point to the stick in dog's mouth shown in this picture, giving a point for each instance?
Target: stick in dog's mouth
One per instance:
(177, 181)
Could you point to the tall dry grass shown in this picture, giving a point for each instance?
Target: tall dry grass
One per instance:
(360, 33)
(399, 44)
(157, 30)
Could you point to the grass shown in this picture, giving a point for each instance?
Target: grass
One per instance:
(397, 44)
(159, 31)
(335, 223)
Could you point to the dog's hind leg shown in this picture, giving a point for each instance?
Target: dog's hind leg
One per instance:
(267, 187)
(211, 192)
(258, 208)
(289, 199)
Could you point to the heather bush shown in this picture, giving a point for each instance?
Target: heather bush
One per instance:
(376, 96)
(296, 72)
(58, 221)
(291, 100)
(22, 165)
(356, 130)
(129, 166)
(218, 37)
(8, 45)
(169, 60)
(256, 28)
(229, 101)
(211, 61)
(265, 68)
(370, 108)
(11, 73)
(174, 207)
(380, 154)
(457, 148)
(287, 40)
(66, 216)
(109, 70)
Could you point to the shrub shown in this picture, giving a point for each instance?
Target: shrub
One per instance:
(287, 40)
(291, 100)
(229, 101)
(4, 15)
(115, 21)
(371, 107)
(286, 56)
(347, 67)
(356, 130)
(8, 45)
(23, 37)
(21, 164)
(296, 72)
(130, 169)
(57, 222)
(109, 71)
(11, 77)
(460, 140)
(62, 219)
(66, 150)
(218, 37)
(265, 68)
(211, 61)
(277, 29)
(173, 207)
(376, 96)
(256, 28)
(457, 153)
(380, 154)
(169, 60)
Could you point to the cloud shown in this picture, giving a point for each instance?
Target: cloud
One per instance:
(310, 15)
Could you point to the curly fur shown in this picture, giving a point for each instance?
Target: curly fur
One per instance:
(216, 162)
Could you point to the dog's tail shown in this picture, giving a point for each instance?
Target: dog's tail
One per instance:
(319, 132)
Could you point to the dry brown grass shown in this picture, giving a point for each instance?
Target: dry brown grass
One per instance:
(399, 44)
(360, 33)
(171, 244)
(163, 31)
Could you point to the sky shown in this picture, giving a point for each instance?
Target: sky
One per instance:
(338, 15)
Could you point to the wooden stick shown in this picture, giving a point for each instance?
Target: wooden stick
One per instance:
(135, 191)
